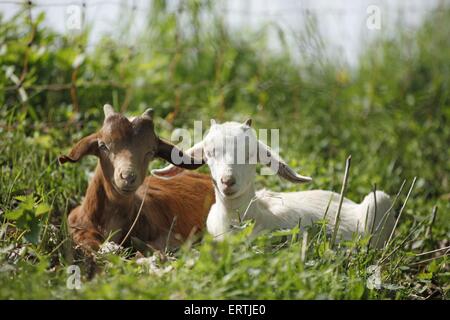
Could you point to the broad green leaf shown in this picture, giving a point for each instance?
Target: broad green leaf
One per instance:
(42, 208)
(14, 214)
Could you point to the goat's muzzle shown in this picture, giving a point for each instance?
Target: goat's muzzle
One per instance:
(129, 177)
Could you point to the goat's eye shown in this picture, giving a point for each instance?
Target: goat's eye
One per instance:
(102, 146)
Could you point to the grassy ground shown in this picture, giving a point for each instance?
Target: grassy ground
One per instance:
(391, 113)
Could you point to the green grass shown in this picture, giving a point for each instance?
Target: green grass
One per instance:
(391, 113)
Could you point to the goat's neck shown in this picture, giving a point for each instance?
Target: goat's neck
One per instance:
(101, 196)
(237, 206)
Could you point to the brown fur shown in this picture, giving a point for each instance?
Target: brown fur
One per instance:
(172, 209)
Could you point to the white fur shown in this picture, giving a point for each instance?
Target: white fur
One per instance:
(275, 210)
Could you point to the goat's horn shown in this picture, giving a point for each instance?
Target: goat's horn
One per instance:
(148, 113)
(108, 110)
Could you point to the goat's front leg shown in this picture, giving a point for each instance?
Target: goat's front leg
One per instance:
(218, 222)
(83, 231)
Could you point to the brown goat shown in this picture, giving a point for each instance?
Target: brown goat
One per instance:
(169, 211)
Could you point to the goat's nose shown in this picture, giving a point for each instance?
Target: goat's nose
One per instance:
(229, 181)
(128, 176)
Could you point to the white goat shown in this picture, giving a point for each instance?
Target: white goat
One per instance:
(236, 199)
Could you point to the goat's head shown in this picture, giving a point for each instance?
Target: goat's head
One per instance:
(125, 147)
(232, 151)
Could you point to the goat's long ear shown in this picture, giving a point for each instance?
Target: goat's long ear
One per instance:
(177, 157)
(86, 146)
(273, 160)
(193, 155)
